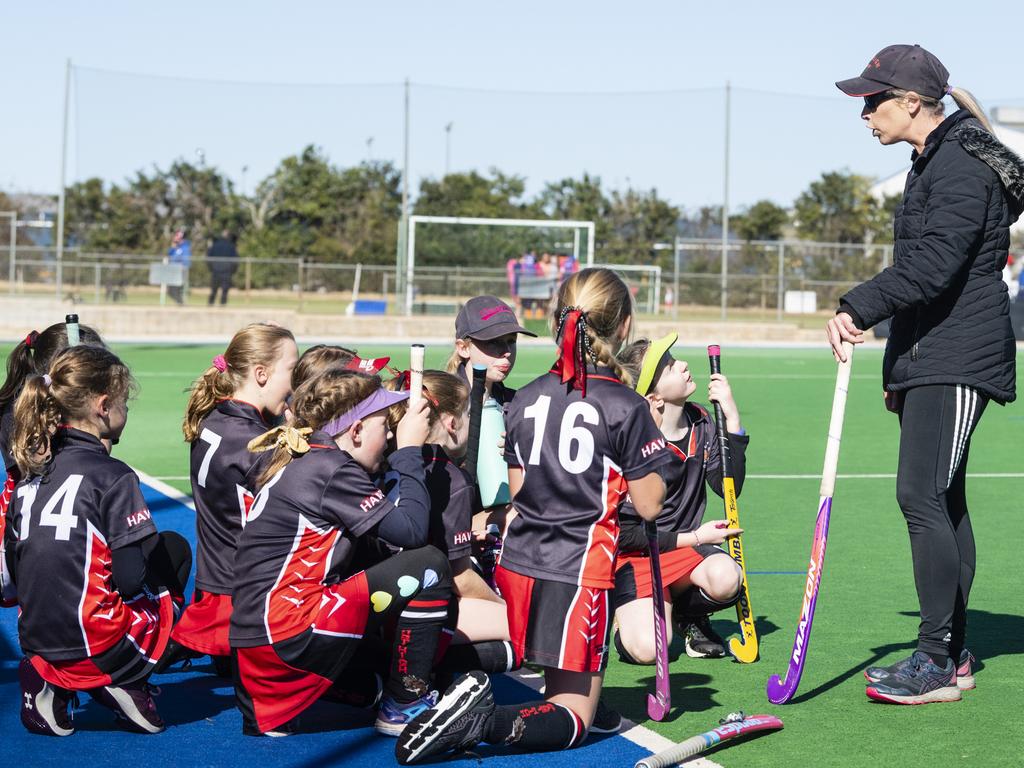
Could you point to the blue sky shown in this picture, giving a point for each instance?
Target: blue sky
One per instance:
(630, 92)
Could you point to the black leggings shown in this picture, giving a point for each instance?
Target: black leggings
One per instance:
(936, 424)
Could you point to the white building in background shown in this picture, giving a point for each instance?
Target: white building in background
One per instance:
(1009, 127)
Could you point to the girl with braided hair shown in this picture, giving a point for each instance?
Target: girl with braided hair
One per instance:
(578, 439)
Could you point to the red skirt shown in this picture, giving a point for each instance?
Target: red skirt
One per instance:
(204, 626)
(284, 679)
(555, 624)
(131, 658)
(633, 572)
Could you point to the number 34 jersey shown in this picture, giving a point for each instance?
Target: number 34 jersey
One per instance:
(224, 475)
(576, 454)
(66, 524)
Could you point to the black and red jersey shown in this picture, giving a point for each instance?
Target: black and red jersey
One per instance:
(66, 523)
(576, 454)
(451, 503)
(303, 526)
(696, 461)
(224, 475)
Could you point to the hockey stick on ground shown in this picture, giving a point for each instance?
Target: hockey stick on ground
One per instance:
(658, 703)
(733, 726)
(781, 691)
(743, 649)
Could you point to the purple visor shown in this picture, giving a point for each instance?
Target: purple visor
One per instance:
(378, 401)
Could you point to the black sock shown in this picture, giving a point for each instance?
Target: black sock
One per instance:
(694, 602)
(939, 660)
(536, 727)
(416, 638)
(490, 656)
(624, 655)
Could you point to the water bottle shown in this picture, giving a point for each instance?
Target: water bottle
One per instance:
(491, 469)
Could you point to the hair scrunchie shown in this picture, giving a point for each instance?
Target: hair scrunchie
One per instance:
(47, 381)
(282, 437)
(220, 363)
(574, 348)
(31, 339)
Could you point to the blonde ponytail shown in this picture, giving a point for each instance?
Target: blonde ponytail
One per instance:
(965, 100)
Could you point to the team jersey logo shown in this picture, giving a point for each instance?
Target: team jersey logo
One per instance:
(372, 500)
(653, 447)
(137, 518)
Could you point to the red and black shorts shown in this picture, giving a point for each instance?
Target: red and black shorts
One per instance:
(554, 624)
(633, 571)
(205, 624)
(280, 681)
(129, 660)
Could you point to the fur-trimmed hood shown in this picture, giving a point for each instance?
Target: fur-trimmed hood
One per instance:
(997, 156)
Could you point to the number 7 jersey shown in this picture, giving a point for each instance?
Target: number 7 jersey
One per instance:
(576, 454)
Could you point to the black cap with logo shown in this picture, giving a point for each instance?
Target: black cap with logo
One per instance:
(908, 67)
(487, 317)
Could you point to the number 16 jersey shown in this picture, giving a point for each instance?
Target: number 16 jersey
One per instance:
(576, 454)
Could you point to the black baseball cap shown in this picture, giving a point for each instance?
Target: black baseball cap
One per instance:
(487, 317)
(908, 67)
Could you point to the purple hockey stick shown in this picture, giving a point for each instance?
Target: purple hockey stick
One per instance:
(781, 691)
(659, 702)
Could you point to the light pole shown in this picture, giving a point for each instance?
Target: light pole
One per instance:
(369, 149)
(447, 148)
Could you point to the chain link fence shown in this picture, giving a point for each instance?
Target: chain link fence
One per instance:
(763, 279)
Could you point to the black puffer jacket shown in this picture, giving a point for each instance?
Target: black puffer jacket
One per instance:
(949, 306)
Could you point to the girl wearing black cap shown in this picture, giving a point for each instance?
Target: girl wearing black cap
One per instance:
(951, 348)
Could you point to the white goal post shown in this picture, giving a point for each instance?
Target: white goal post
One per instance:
(410, 253)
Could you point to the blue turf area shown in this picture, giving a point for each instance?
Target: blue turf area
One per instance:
(204, 728)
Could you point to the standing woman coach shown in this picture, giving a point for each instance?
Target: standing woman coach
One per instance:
(951, 348)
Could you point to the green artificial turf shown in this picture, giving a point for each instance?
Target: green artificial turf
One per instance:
(866, 611)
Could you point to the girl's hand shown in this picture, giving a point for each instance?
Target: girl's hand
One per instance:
(414, 428)
(716, 531)
(720, 392)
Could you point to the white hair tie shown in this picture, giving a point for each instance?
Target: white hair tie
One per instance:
(47, 381)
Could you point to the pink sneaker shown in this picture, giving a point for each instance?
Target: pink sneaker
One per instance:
(964, 675)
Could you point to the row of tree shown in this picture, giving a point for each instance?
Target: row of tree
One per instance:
(310, 207)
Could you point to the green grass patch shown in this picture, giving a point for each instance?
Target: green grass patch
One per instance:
(867, 608)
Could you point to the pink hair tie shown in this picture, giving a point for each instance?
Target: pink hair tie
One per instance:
(220, 363)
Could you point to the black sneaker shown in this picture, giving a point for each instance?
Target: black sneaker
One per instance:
(876, 674)
(44, 707)
(965, 671)
(702, 642)
(606, 719)
(133, 705)
(458, 721)
(921, 682)
(173, 653)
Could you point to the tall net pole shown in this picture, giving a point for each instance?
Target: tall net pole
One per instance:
(725, 208)
(63, 176)
(403, 228)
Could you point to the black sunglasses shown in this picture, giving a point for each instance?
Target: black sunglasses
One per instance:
(872, 102)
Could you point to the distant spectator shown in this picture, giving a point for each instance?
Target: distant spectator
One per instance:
(180, 252)
(223, 264)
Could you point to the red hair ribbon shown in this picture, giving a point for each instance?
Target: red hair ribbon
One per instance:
(403, 378)
(31, 338)
(572, 359)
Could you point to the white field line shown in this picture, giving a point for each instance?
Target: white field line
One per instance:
(882, 476)
(157, 484)
(638, 734)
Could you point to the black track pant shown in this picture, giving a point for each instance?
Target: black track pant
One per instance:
(936, 424)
